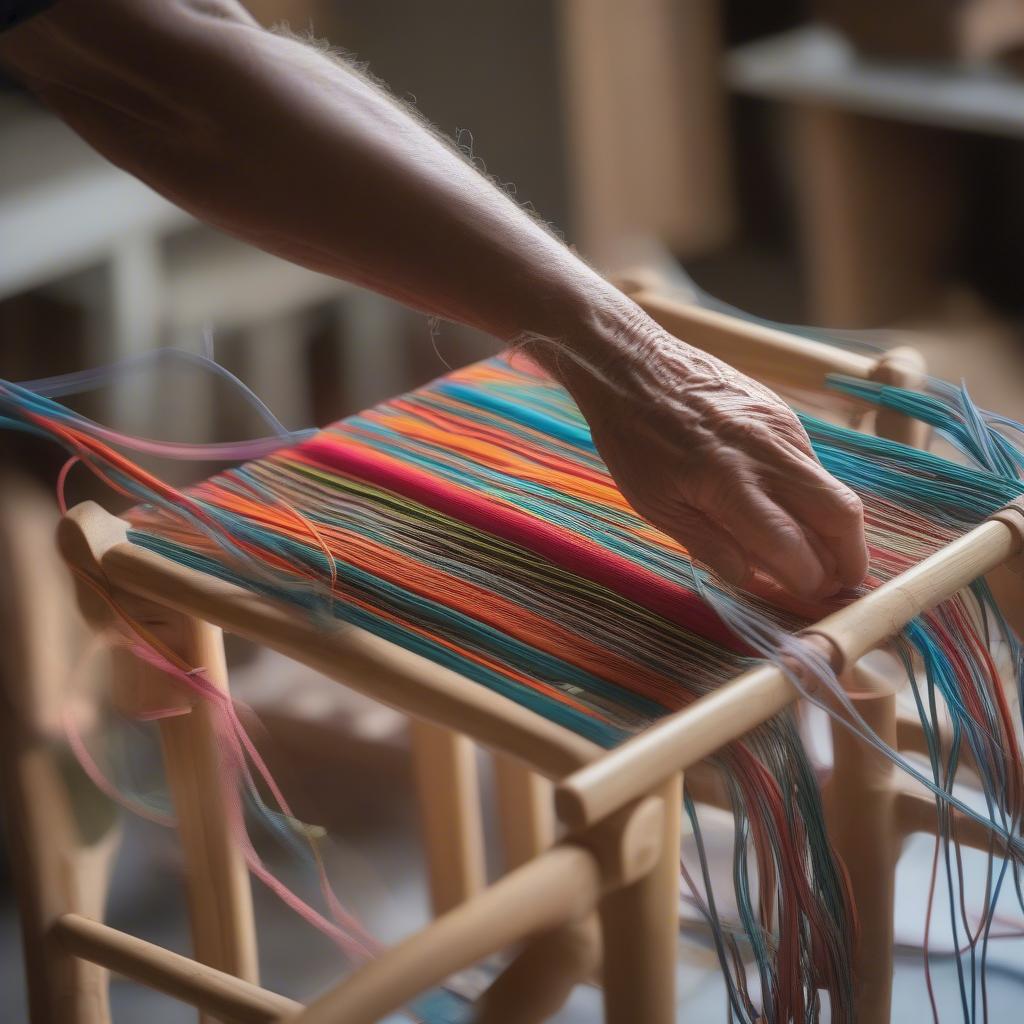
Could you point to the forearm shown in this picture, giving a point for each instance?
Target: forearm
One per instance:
(275, 143)
(281, 145)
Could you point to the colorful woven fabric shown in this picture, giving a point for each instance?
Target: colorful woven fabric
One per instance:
(473, 522)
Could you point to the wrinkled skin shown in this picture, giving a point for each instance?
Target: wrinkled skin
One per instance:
(185, 94)
(721, 464)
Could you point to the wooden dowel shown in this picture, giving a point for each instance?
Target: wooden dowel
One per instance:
(213, 991)
(362, 661)
(779, 356)
(916, 811)
(860, 802)
(526, 811)
(861, 626)
(687, 737)
(677, 742)
(534, 987)
(765, 353)
(448, 797)
(219, 892)
(562, 885)
(640, 931)
(911, 738)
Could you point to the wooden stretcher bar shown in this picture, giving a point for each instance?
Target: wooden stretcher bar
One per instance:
(607, 786)
(620, 807)
(689, 736)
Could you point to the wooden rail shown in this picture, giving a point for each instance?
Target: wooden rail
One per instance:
(224, 995)
(689, 736)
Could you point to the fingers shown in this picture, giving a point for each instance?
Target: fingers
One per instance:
(774, 541)
(742, 528)
(800, 562)
(711, 546)
(830, 511)
(738, 504)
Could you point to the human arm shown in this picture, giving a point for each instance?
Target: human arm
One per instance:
(279, 144)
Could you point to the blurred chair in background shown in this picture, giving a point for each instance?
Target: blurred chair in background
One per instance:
(646, 125)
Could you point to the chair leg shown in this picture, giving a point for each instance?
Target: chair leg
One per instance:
(219, 893)
(640, 932)
(444, 766)
(62, 834)
(57, 870)
(525, 809)
(860, 804)
(535, 986)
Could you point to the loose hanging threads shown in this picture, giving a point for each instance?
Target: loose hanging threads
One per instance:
(472, 521)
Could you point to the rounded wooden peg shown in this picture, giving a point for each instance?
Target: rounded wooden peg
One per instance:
(1012, 515)
(84, 536)
(86, 533)
(902, 367)
(1007, 580)
(627, 846)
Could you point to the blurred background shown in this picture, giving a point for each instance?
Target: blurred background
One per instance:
(845, 163)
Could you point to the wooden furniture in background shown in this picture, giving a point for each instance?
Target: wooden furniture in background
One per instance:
(927, 30)
(872, 155)
(649, 154)
(147, 275)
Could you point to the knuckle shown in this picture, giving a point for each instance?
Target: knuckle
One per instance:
(849, 505)
(742, 429)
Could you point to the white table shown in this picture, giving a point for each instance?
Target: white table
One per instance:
(873, 152)
(64, 209)
(816, 65)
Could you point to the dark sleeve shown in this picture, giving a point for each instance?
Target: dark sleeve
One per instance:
(13, 11)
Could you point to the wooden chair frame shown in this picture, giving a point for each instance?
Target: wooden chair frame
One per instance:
(619, 809)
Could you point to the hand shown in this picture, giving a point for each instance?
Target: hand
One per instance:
(718, 462)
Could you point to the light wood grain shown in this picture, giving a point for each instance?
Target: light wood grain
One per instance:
(687, 737)
(526, 811)
(362, 661)
(213, 991)
(448, 800)
(560, 886)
